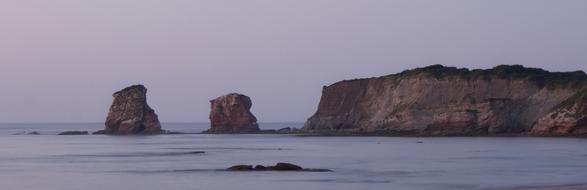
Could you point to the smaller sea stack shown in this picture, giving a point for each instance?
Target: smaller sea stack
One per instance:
(130, 113)
(231, 114)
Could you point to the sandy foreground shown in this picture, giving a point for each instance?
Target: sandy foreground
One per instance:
(563, 187)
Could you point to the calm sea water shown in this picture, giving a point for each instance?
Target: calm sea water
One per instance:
(51, 162)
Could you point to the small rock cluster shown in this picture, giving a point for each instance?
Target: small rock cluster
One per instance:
(277, 167)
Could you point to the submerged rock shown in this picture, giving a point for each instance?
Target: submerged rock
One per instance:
(241, 168)
(448, 101)
(130, 113)
(27, 133)
(285, 130)
(74, 133)
(277, 167)
(176, 133)
(285, 167)
(289, 130)
(260, 168)
(100, 132)
(231, 114)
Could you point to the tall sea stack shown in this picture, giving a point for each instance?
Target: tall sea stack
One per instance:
(232, 114)
(130, 113)
(448, 101)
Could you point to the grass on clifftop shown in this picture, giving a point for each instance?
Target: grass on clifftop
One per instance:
(539, 76)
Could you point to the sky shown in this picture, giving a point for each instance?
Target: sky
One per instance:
(61, 60)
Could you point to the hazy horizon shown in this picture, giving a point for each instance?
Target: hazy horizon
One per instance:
(61, 60)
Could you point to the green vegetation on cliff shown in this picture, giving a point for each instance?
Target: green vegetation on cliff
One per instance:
(540, 77)
(447, 101)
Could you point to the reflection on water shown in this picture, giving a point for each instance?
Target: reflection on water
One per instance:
(197, 161)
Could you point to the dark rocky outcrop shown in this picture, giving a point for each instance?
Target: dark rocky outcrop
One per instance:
(231, 114)
(74, 133)
(447, 101)
(130, 113)
(241, 168)
(100, 132)
(277, 167)
(285, 167)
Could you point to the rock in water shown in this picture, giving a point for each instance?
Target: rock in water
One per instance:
(74, 133)
(285, 167)
(100, 132)
(449, 101)
(130, 113)
(241, 168)
(231, 114)
(277, 167)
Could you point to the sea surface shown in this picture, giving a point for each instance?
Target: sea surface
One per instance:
(97, 162)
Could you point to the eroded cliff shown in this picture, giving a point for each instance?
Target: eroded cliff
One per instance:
(447, 101)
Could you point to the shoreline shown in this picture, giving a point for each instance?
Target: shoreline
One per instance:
(362, 134)
(301, 134)
(559, 187)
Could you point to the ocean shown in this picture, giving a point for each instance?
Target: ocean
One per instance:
(97, 162)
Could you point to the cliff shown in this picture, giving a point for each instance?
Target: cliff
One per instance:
(130, 113)
(232, 114)
(448, 101)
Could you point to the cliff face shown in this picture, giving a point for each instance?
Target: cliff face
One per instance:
(446, 101)
(568, 119)
(130, 113)
(231, 114)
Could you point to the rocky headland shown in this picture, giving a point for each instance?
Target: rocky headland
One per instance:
(130, 114)
(449, 101)
(232, 114)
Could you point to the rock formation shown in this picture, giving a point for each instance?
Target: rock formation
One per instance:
(277, 167)
(130, 114)
(567, 119)
(447, 101)
(231, 114)
(74, 133)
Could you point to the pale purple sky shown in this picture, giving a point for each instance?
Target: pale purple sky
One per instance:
(60, 60)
